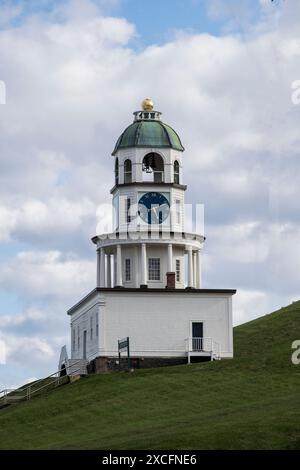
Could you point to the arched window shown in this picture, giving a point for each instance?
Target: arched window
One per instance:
(117, 171)
(153, 168)
(176, 172)
(127, 171)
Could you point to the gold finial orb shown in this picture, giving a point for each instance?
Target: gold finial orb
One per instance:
(147, 104)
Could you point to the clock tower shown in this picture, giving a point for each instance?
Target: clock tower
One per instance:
(148, 245)
(149, 289)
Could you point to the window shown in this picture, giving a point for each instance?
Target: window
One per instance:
(78, 338)
(91, 328)
(127, 269)
(153, 168)
(117, 171)
(176, 172)
(97, 326)
(116, 212)
(128, 206)
(127, 171)
(178, 270)
(154, 269)
(73, 339)
(178, 211)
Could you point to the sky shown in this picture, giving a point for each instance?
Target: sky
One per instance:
(224, 74)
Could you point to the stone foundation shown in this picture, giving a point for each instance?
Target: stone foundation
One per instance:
(110, 364)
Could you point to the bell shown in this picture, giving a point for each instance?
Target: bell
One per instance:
(151, 161)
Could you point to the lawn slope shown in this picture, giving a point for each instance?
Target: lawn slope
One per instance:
(251, 402)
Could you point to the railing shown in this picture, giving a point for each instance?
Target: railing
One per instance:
(202, 344)
(4, 392)
(216, 348)
(27, 391)
(158, 176)
(155, 176)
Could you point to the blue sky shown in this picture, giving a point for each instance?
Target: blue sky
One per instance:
(221, 72)
(157, 21)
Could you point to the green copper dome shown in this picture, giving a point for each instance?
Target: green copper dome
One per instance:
(148, 133)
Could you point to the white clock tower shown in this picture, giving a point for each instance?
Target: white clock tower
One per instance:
(148, 245)
(148, 266)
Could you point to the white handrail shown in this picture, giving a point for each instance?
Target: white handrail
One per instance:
(28, 388)
(205, 344)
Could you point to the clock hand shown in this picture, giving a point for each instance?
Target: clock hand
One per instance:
(154, 209)
(160, 208)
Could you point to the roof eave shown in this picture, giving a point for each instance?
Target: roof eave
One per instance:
(147, 146)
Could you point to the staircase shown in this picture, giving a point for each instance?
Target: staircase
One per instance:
(203, 347)
(77, 367)
(9, 396)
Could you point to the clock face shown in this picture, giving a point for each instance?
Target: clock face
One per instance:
(154, 208)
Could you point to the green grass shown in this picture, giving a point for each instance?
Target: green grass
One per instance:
(251, 402)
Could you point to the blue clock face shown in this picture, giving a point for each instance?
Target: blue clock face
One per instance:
(154, 208)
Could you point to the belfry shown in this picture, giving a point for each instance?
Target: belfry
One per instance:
(148, 195)
(148, 283)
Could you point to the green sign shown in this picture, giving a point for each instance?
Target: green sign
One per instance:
(123, 345)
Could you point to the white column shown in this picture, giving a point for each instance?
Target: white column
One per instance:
(119, 280)
(170, 258)
(199, 276)
(108, 270)
(102, 267)
(98, 268)
(143, 264)
(190, 267)
(135, 267)
(195, 268)
(115, 270)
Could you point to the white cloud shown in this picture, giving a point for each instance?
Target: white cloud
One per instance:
(32, 314)
(2, 351)
(57, 214)
(46, 274)
(34, 349)
(57, 217)
(7, 223)
(244, 242)
(72, 86)
(248, 305)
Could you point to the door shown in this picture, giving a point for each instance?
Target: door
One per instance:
(84, 344)
(197, 335)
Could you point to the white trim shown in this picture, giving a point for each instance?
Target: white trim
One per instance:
(191, 327)
(152, 150)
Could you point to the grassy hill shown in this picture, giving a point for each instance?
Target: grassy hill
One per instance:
(251, 402)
